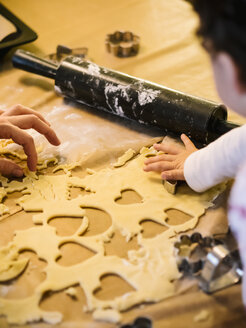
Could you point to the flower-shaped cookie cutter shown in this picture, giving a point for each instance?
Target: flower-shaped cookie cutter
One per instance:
(212, 261)
(122, 43)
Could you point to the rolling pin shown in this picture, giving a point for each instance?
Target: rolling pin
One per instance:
(130, 97)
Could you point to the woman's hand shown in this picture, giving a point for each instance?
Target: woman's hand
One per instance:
(12, 124)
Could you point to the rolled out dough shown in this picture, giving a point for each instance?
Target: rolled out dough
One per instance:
(154, 261)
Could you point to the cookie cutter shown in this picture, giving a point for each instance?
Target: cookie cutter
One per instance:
(220, 255)
(122, 43)
(212, 261)
(63, 51)
(170, 186)
(140, 322)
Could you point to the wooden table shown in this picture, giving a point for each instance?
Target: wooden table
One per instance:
(170, 55)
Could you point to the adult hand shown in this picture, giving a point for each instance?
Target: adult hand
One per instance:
(12, 124)
(171, 163)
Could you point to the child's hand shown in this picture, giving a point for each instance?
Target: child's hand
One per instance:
(170, 164)
(12, 123)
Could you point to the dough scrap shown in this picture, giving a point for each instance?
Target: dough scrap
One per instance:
(112, 316)
(201, 316)
(154, 261)
(66, 167)
(44, 164)
(10, 267)
(125, 158)
(71, 291)
(3, 208)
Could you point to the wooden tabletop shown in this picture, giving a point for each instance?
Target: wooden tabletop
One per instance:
(171, 55)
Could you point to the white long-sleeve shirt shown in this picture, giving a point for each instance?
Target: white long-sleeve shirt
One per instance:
(222, 159)
(217, 162)
(237, 218)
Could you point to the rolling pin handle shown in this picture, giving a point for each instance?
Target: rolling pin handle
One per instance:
(225, 126)
(33, 64)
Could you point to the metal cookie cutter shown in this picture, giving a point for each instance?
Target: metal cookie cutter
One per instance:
(210, 261)
(122, 44)
(63, 51)
(211, 280)
(170, 186)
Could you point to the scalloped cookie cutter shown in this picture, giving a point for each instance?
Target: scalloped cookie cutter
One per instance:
(212, 261)
(122, 43)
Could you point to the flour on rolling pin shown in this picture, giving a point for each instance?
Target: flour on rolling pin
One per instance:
(6, 28)
(113, 93)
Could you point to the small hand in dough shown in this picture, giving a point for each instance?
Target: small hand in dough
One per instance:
(12, 124)
(171, 164)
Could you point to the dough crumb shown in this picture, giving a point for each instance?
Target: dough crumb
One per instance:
(71, 292)
(109, 315)
(90, 171)
(53, 317)
(201, 316)
(3, 210)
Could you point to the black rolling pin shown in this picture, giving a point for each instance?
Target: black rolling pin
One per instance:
(130, 97)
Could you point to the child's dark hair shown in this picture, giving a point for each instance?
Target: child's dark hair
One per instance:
(223, 28)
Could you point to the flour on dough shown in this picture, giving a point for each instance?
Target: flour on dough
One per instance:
(153, 262)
